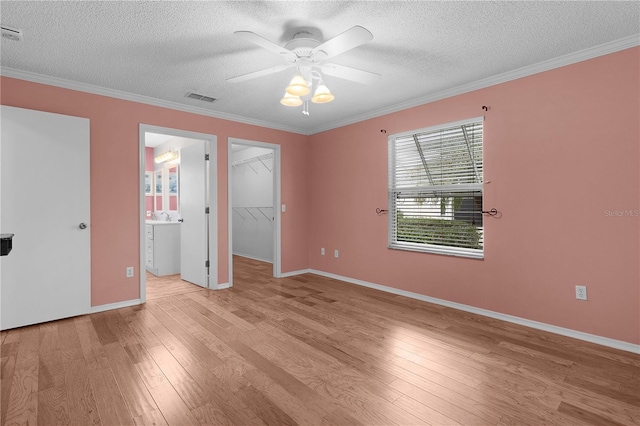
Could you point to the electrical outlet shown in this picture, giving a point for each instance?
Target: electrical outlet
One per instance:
(322, 251)
(335, 254)
(581, 292)
(129, 271)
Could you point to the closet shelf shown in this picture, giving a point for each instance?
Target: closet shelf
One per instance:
(254, 160)
(253, 212)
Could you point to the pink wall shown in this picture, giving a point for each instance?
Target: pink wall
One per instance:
(560, 149)
(115, 175)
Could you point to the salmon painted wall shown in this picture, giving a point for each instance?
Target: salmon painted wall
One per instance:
(561, 161)
(115, 206)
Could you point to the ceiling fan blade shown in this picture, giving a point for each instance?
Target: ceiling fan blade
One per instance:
(349, 73)
(349, 39)
(263, 42)
(260, 73)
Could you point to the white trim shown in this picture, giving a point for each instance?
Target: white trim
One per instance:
(548, 65)
(592, 338)
(277, 229)
(253, 258)
(561, 61)
(300, 272)
(222, 286)
(142, 268)
(116, 305)
(119, 94)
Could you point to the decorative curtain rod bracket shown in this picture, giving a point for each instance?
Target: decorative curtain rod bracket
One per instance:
(492, 212)
(381, 211)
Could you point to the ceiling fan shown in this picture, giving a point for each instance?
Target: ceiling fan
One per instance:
(307, 55)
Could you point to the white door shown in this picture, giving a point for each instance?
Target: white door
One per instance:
(194, 250)
(44, 179)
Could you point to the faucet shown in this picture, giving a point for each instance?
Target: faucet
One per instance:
(168, 217)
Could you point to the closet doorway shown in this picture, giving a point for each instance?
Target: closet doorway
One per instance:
(254, 203)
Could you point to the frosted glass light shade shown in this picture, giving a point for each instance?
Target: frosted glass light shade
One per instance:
(166, 156)
(322, 95)
(291, 100)
(298, 86)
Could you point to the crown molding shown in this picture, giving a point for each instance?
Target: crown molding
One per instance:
(119, 94)
(561, 61)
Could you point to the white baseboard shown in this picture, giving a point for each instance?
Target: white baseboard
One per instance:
(117, 305)
(221, 286)
(300, 272)
(253, 257)
(592, 338)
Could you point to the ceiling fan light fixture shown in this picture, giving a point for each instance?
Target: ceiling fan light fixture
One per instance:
(290, 100)
(322, 95)
(298, 86)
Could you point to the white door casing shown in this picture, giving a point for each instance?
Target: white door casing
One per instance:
(45, 192)
(193, 230)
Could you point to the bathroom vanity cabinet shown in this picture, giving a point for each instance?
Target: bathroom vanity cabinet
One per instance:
(163, 247)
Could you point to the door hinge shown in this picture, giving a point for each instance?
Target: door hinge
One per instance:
(206, 210)
(206, 157)
(206, 264)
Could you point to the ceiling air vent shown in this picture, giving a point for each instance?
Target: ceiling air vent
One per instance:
(10, 33)
(200, 97)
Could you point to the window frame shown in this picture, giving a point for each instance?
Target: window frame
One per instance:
(393, 190)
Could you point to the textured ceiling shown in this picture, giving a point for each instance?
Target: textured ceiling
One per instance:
(162, 50)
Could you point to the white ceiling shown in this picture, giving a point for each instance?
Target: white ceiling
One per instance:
(156, 52)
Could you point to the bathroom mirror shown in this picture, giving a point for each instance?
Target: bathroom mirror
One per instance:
(166, 188)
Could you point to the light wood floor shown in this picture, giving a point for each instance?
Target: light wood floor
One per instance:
(306, 350)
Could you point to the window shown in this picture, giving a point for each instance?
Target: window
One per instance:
(435, 189)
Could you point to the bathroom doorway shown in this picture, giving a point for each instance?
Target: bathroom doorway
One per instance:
(178, 205)
(254, 203)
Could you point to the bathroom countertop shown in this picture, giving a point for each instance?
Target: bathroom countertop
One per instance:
(161, 222)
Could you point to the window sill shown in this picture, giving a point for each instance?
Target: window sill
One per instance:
(433, 249)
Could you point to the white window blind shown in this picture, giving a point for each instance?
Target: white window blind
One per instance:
(435, 189)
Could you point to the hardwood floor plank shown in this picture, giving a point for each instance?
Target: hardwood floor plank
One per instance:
(263, 407)
(172, 407)
(459, 413)
(70, 348)
(90, 344)
(209, 414)
(219, 396)
(22, 407)
(283, 398)
(150, 418)
(307, 395)
(168, 364)
(133, 390)
(83, 408)
(8, 360)
(583, 415)
(52, 406)
(50, 367)
(112, 408)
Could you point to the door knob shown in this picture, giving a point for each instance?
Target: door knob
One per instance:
(82, 226)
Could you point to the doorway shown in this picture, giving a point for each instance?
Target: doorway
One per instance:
(178, 180)
(254, 202)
